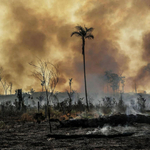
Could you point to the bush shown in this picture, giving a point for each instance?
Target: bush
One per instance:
(55, 113)
(26, 118)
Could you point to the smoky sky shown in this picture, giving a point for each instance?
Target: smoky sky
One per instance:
(42, 29)
(142, 77)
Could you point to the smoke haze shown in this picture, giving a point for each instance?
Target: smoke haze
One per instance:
(31, 29)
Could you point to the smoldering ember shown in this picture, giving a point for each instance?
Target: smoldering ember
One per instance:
(74, 74)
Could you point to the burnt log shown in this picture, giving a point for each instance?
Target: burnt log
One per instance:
(113, 120)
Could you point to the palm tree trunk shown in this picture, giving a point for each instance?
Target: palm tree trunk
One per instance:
(83, 44)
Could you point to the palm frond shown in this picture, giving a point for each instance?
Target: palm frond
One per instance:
(90, 36)
(76, 33)
(89, 29)
(81, 30)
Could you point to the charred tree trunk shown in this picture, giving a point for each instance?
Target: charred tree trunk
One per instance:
(48, 109)
(45, 111)
(20, 98)
(38, 106)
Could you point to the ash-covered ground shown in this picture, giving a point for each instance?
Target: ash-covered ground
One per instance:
(128, 129)
(28, 136)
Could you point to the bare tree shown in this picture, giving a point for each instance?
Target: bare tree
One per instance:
(48, 74)
(70, 82)
(10, 87)
(107, 78)
(3, 81)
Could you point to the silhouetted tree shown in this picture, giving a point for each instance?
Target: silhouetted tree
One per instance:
(141, 102)
(84, 33)
(122, 79)
(107, 78)
(113, 80)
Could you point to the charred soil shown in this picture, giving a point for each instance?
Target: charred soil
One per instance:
(30, 135)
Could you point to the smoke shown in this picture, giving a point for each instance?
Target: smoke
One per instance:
(32, 29)
(142, 77)
(146, 47)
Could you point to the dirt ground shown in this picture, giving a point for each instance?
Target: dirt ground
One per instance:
(31, 135)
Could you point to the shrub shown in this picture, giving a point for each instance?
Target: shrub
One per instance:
(26, 118)
(55, 113)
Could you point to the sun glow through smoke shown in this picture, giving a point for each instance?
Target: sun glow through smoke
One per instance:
(31, 29)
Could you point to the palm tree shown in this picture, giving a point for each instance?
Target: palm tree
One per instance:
(84, 33)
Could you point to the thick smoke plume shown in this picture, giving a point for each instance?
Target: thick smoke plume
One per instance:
(42, 29)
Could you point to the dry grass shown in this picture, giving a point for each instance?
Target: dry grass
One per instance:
(26, 118)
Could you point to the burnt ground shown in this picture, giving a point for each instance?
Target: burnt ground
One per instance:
(28, 136)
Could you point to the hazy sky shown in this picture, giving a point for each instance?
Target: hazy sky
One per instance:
(42, 28)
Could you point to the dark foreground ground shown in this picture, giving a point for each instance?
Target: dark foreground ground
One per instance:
(30, 136)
